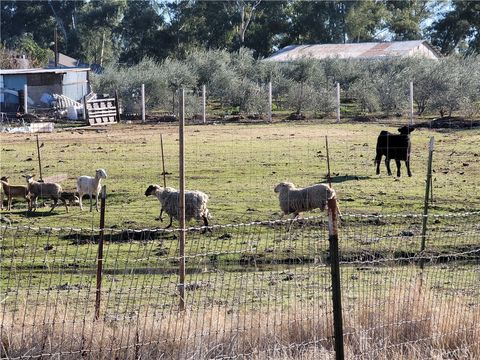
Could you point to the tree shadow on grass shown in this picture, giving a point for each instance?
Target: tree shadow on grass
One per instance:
(123, 236)
(343, 178)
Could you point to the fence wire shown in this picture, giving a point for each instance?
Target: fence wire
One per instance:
(253, 290)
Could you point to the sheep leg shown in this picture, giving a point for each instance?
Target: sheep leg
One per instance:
(96, 201)
(91, 202)
(387, 164)
(171, 220)
(399, 165)
(407, 164)
(55, 201)
(9, 204)
(65, 203)
(80, 196)
(160, 217)
(205, 223)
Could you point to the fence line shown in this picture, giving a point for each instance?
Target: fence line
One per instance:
(260, 289)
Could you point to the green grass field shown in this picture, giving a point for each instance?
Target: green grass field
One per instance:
(256, 269)
(238, 167)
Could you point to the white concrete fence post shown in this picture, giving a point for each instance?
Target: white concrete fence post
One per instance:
(338, 102)
(143, 102)
(411, 102)
(204, 104)
(270, 101)
(25, 99)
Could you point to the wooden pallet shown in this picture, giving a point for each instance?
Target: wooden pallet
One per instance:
(101, 111)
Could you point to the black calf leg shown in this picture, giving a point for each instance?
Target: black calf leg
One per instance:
(407, 164)
(398, 167)
(387, 164)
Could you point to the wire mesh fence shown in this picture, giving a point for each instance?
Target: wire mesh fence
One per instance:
(253, 290)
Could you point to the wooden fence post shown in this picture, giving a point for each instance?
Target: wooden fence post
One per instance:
(163, 163)
(335, 274)
(117, 105)
(39, 159)
(100, 252)
(181, 285)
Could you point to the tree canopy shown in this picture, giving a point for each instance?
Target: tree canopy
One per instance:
(126, 31)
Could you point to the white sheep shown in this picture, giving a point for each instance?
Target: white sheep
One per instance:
(44, 190)
(296, 200)
(17, 191)
(90, 185)
(195, 203)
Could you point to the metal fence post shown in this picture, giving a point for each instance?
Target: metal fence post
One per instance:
(181, 205)
(335, 272)
(427, 193)
(100, 252)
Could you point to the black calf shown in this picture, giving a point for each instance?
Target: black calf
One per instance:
(395, 147)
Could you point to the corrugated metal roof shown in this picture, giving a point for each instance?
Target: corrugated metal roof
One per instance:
(356, 50)
(40, 71)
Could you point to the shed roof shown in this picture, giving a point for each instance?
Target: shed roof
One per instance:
(41, 71)
(356, 50)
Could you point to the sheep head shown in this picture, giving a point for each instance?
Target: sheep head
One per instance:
(152, 189)
(284, 186)
(100, 174)
(4, 178)
(29, 178)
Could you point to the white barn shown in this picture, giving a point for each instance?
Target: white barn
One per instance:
(368, 50)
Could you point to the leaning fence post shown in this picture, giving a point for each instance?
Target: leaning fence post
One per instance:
(329, 176)
(335, 271)
(163, 163)
(39, 159)
(143, 102)
(100, 252)
(425, 203)
(181, 205)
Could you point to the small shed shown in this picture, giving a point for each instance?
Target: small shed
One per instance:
(367, 50)
(41, 85)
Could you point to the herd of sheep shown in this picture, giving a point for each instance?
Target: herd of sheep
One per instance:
(86, 185)
(292, 200)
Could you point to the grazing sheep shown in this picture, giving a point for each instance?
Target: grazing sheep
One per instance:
(44, 190)
(296, 200)
(17, 191)
(394, 146)
(90, 185)
(195, 203)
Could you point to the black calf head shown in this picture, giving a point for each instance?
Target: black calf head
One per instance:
(405, 130)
